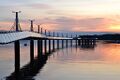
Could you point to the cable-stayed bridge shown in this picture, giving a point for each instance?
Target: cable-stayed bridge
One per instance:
(45, 39)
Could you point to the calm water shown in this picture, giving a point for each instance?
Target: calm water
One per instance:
(99, 63)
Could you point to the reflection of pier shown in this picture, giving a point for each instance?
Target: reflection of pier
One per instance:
(87, 42)
(30, 69)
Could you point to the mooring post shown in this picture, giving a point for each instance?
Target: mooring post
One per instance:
(31, 44)
(57, 41)
(17, 56)
(53, 41)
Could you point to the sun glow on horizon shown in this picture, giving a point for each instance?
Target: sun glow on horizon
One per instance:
(69, 15)
(114, 27)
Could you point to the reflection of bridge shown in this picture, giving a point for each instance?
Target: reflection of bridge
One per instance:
(43, 39)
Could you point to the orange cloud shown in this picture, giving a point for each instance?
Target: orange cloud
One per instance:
(5, 25)
(71, 24)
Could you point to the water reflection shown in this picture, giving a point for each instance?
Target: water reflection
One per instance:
(84, 62)
(90, 46)
(30, 70)
(80, 63)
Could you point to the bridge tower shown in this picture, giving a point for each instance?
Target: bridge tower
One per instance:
(17, 46)
(16, 26)
(39, 44)
(31, 43)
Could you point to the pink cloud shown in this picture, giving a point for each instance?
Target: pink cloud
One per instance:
(40, 6)
(68, 24)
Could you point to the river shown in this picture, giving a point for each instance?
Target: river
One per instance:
(101, 62)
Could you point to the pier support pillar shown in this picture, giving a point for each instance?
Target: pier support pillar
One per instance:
(39, 48)
(49, 45)
(17, 56)
(53, 44)
(57, 44)
(31, 50)
(62, 43)
(76, 41)
(45, 45)
(66, 43)
(71, 42)
(79, 42)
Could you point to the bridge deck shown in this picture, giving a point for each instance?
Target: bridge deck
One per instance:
(14, 36)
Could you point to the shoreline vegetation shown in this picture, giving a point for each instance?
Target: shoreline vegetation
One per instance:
(108, 38)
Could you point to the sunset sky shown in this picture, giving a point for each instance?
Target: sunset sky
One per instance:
(68, 15)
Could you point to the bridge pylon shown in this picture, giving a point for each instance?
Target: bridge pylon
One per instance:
(16, 25)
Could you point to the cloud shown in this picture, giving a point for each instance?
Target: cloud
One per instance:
(40, 6)
(5, 25)
(70, 24)
(85, 24)
(73, 24)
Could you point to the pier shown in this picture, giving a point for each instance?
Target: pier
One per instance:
(43, 40)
